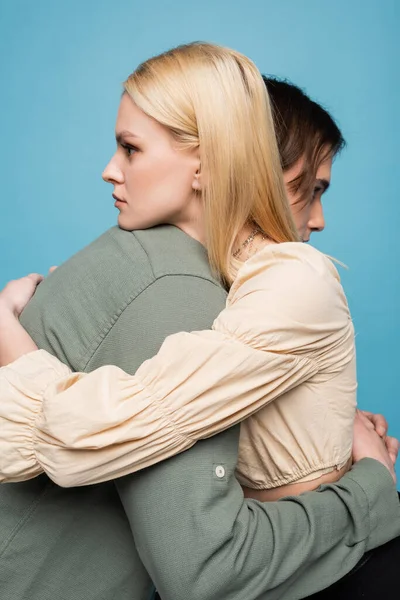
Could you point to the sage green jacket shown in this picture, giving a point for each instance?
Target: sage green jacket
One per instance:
(189, 529)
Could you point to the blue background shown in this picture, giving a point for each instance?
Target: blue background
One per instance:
(62, 63)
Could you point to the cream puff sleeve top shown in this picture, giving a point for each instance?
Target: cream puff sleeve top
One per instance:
(280, 356)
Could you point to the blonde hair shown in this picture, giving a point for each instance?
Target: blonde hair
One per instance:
(214, 98)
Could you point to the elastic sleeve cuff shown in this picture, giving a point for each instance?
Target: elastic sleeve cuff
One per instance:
(22, 386)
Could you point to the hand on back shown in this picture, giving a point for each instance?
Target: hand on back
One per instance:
(17, 293)
(368, 443)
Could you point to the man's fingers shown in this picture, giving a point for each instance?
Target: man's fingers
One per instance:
(365, 420)
(52, 269)
(392, 445)
(378, 421)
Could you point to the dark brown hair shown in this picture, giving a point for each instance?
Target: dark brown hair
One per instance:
(304, 130)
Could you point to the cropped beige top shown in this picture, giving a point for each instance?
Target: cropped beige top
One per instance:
(280, 355)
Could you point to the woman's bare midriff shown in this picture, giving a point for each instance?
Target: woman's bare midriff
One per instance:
(294, 489)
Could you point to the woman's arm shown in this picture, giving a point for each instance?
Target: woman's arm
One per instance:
(14, 340)
(87, 428)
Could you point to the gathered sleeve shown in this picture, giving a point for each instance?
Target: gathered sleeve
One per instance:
(88, 428)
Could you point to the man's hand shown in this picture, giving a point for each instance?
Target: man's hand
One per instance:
(16, 295)
(381, 427)
(379, 422)
(368, 444)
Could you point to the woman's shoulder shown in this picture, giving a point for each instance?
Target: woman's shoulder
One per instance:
(285, 298)
(291, 264)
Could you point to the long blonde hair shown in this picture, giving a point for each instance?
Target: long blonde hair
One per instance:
(214, 98)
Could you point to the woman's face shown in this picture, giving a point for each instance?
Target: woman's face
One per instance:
(309, 215)
(154, 182)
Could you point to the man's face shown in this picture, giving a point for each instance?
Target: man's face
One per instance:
(308, 213)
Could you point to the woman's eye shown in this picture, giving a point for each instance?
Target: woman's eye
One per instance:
(129, 150)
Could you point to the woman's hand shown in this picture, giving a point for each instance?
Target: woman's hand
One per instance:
(16, 295)
(368, 444)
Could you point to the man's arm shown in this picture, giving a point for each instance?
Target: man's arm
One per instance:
(200, 539)
(196, 535)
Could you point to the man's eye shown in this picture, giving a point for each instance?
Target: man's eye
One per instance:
(317, 190)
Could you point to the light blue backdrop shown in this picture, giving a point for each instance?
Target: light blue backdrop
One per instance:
(62, 63)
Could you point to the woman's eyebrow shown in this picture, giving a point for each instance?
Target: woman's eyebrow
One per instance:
(122, 135)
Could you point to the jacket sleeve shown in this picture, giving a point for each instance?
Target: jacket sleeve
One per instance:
(200, 539)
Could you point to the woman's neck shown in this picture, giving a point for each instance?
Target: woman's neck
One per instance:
(193, 223)
(249, 241)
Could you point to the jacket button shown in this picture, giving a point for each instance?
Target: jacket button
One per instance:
(220, 471)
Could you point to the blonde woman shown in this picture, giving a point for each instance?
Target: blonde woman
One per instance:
(286, 324)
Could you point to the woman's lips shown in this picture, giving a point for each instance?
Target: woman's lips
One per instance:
(118, 200)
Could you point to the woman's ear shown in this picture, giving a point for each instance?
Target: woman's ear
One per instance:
(196, 183)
